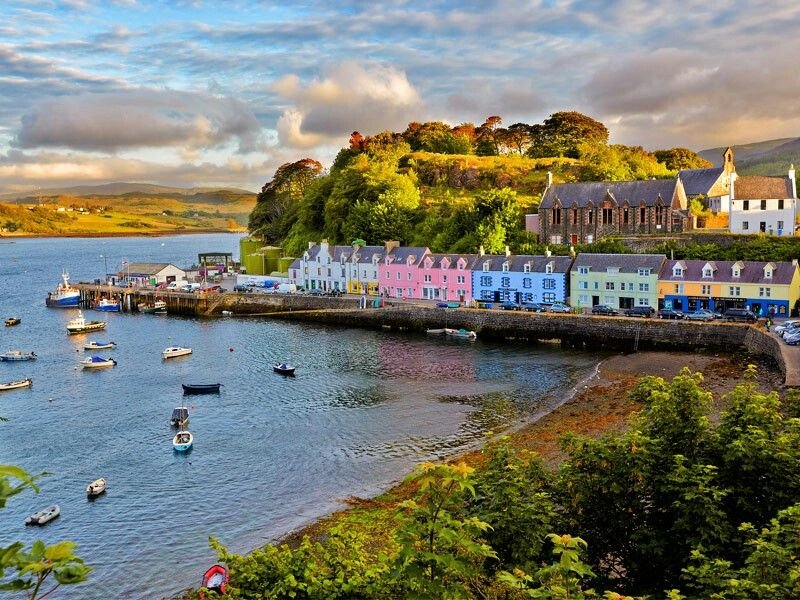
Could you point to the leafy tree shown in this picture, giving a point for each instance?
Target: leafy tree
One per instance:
(435, 136)
(562, 133)
(618, 163)
(676, 159)
(487, 142)
(518, 137)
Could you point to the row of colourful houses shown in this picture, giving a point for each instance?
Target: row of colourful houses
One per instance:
(617, 280)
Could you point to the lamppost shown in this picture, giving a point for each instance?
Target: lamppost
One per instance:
(105, 266)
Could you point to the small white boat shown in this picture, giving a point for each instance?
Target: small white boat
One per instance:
(80, 325)
(108, 305)
(97, 487)
(99, 345)
(435, 331)
(175, 351)
(16, 355)
(15, 385)
(182, 441)
(43, 516)
(98, 362)
(463, 334)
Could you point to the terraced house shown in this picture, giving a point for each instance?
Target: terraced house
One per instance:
(582, 213)
(521, 278)
(399, 272)
(764, 288)
(351, 269)
(617, 280)
(447, 277)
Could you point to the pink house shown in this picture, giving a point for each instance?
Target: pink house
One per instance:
(399, 273)
(447, 277)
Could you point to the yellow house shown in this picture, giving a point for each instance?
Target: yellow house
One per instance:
(766, 288)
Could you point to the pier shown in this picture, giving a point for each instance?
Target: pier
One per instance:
(178, 303)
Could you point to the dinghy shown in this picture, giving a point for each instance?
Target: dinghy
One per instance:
(98, 362)
(182, 441)
(175, 351)
(463, 334)
(180, 417)
(15, 355)
(283, 369)
(97, 487)
(434, 331)
(11, 321)
(215, 579)
(15, 385)
(43, 516)
(201, 388)
(99, 345)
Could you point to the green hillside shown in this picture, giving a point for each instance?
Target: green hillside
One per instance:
(771, 157)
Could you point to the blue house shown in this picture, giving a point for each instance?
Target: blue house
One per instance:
(521, 278)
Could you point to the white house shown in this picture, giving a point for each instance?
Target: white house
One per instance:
(149, 273)
(350, 269)
(762, 204)
(713, 183)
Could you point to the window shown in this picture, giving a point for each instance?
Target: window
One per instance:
(707, 272)
(410, 292)
(745, 204)
(644, 287)
(548, 297)
(625, 217)
(644, 302)
(409, 275)
(426, 278)
(526, 268)
(659, 215)
(487, 295)
(486, 281)
(460, 279)
(780, 223)
(780, 207)
(583, 285)
(609, 300)
(734, 291)
(329, 272)
(678, 288)
(642, 214)
(767, 273)
(622, 286)
(549, 284)
(584, 299)
(485, 266)
(597, 285)
(398, 275)
(609, 285)
(583, 270)
(591, 216)
(644, 272)
(527, 297)
(608, 216)
(574, 216)
(745, 226)
(764, 292)
(555, 239)
(526, 282)
(556, 216)
(548, 268)
(612, 271)
(505, 282)
(706, 290)
(763, 205)
(737, 272)
(677, 271)
(505, 267)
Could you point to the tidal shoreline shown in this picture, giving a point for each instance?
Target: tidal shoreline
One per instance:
(119, 234)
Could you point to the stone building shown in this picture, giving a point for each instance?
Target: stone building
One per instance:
(582, 213)
(713, 183)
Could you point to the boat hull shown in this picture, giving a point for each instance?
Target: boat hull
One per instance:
(16, 358)
(288, 371)
(176, 353)
(96, 488)
(43, 517)
(182, 446)
(16, 385)
(107, 307)
(85, 328)
(13, 321)
(211, 388)
(68, 301)
(109, 346)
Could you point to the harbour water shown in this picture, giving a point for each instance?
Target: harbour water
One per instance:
(270, 454)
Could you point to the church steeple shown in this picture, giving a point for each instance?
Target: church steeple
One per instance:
(727, 163)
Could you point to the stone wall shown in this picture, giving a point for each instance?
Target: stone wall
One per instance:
(270, 303)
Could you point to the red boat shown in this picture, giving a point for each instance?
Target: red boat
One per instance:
(215, 579)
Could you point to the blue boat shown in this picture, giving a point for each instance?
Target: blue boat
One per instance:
(64, 296)
(108, 305)
(182, 441)
(15, 355)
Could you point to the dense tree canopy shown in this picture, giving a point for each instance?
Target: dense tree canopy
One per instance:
(562, 133)
(676, 159)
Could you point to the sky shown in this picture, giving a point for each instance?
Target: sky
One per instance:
(201, 93)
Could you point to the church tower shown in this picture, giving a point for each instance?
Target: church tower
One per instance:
(727, 161)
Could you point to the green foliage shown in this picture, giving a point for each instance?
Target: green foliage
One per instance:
(676, 159)
(760, 248)
(562, 134)
(34, 567)
(618, 163)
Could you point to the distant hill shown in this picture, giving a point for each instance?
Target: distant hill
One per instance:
(771, 157)
(121, 189)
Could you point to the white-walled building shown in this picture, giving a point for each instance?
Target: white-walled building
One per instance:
(714, 183)
(149, 274)
(763, 204)
(350, 269)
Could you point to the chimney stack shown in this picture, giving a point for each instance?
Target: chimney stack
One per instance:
(391, 245)
(547, 252)
(549, 178)
(572, 252)
(508, 252)
(311, 244)
(794, 182)
(481, 251)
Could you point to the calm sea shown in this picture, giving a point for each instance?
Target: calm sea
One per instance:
(270, 453)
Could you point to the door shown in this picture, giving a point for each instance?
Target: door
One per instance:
(595, 300)
(574, 239)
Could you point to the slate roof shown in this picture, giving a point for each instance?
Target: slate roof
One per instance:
(627, 263)
(401, 253)
(760, 187)
(635, 192)
(752, 272)
(699, 181)
(454, 258)
(145, 268)
(561, 264)
(366, 253)
(298, 263)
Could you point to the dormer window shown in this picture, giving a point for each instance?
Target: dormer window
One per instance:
(769, 268)
(677, 271)
(737, 272)
(548, 268)
(428, 263)
(505, 267)
(708, 272)
(486, 266)
(461, 265)
(526, 268)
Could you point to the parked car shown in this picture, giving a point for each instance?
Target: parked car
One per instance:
(533, 307)
(700, 315)
(640, 311)
(560, 307)
(510, 305)
(669, 313)
(602, 309)
(242, 288)
(740, 314)
(780, 329)
(335, 293)
(316, 292)
(792, 338)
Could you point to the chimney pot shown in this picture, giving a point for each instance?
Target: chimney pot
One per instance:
(508, 251)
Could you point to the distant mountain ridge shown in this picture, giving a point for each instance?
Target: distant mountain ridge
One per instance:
(770, 157)
(120, 189)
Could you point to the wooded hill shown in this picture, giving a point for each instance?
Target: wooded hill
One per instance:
(449, 188)
(771, 157)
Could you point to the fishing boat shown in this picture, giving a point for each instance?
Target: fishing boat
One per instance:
(463, 334)
(80, 325)
(182, 441)
(215, 579)
(15, 385)
(98, 362)
(180, 417)
(159, 307)
(16, 355)
(43, 516)
(108, 305)
(99, 345)
(11, 321)
(202, 388)
(64, 296)
(175, 351)
(283, 368)
(97, 487)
